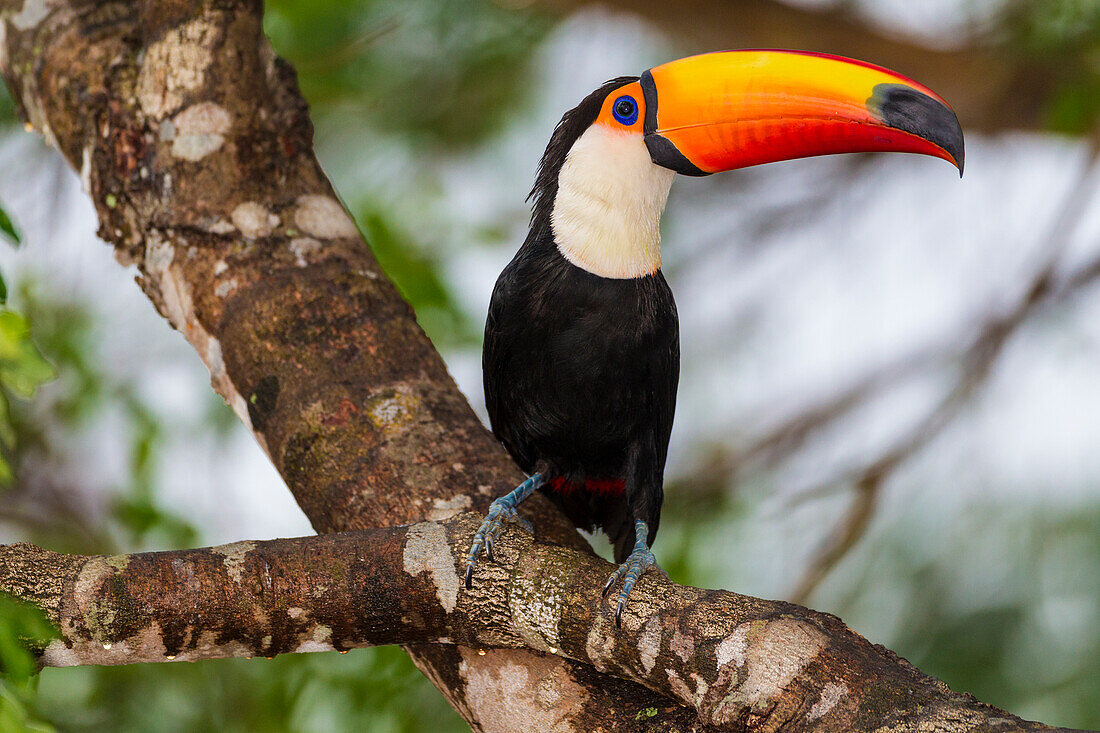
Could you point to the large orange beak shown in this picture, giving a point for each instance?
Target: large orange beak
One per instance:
(733, 109)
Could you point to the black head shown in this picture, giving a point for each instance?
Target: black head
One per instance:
(572, 125)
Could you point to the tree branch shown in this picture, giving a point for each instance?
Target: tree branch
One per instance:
(738, 661)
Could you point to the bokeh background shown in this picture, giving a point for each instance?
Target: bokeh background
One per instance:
(890, 399)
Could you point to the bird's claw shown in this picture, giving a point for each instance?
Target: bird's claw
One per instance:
(630, 571)
(500, 511)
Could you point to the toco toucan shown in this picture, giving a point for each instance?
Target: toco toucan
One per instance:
(582, 354)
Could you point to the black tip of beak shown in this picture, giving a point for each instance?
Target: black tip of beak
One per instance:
(907, 109)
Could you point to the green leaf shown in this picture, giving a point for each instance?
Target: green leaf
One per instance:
(141, 516)
(14, 714)
(9, 230)
(23, 627)
(7, 427)
(23, 369)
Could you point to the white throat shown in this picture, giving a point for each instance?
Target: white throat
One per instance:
(607, 214)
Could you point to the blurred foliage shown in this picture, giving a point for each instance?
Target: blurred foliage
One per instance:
(368, 689)
(23, 628)
(1023, 644)
(136, 510)
(22, 368)
(439, 76)
(83, 392)
(22, 371)
(9, 231)
(447, 69)
(1058, 42)
(7, 106)
(416, 272)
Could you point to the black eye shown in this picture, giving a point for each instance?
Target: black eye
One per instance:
(625, 110)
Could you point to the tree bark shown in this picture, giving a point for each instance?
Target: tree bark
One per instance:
(739, 662)
(196, 148)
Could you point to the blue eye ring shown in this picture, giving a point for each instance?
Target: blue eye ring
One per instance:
(625, 110)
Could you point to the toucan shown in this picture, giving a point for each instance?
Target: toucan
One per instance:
(581, 356)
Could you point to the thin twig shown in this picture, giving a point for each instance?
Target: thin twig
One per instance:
(976, 364)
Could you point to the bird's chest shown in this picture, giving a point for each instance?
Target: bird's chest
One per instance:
(578, 366)
(597, 332)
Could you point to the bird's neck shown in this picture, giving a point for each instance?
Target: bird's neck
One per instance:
(606, 217)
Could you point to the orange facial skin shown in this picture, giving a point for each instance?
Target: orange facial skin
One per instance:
(607, 116)
(734, 109)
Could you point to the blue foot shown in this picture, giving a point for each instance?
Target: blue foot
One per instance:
(635, 566)
(500, 511)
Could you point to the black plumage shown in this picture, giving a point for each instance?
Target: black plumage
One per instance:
(581, 371)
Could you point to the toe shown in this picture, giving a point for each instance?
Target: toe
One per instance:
(470, 576)
(611, 581)
(630, 572)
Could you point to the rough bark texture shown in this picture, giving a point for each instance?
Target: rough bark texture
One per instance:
(192, 140)
(739, 662)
